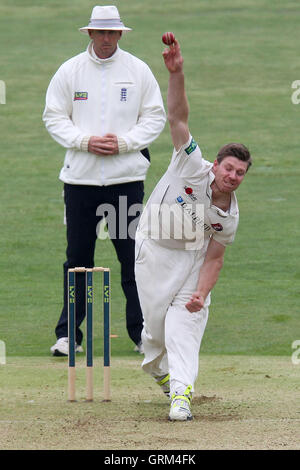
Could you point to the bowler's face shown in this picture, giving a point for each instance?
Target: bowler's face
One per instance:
(229, 173)
(105, 42)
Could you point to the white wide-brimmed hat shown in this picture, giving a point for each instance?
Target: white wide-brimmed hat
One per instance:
(105, 18)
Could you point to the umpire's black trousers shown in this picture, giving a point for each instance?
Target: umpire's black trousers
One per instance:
(85, 207)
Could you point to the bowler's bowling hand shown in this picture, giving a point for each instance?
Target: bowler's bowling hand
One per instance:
(106, 145)
(173, 58)
(196, 302)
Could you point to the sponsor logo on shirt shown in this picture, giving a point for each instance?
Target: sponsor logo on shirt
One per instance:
(80, 95)
(189, 210)
(217, 227)
(191, 147)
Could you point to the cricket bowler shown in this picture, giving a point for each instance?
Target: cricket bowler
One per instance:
(189, 219)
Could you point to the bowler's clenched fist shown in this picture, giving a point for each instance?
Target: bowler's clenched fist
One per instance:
(196, 303)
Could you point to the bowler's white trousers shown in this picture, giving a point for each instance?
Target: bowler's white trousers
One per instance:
(166, 278)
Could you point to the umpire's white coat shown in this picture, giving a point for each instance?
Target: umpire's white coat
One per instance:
(89, 96)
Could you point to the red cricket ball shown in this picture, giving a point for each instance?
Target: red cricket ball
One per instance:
(168, 38)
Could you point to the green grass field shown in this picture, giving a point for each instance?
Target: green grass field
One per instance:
(241, 57)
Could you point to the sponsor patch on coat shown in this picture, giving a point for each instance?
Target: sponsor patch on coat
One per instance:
(80, 95)
(191, 147)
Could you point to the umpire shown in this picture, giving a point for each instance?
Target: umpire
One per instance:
(105, 107)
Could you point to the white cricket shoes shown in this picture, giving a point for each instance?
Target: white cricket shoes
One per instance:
(180, 406)
(61, 347)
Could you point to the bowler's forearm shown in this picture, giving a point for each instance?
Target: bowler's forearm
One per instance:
(209, 274)
(178, 108)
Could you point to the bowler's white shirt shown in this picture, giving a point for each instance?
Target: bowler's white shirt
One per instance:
(184, 193)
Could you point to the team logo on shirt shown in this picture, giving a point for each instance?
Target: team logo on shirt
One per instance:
(123, 94)
(189, 192)
(191, 147)
(217, 227)
(80, 95)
